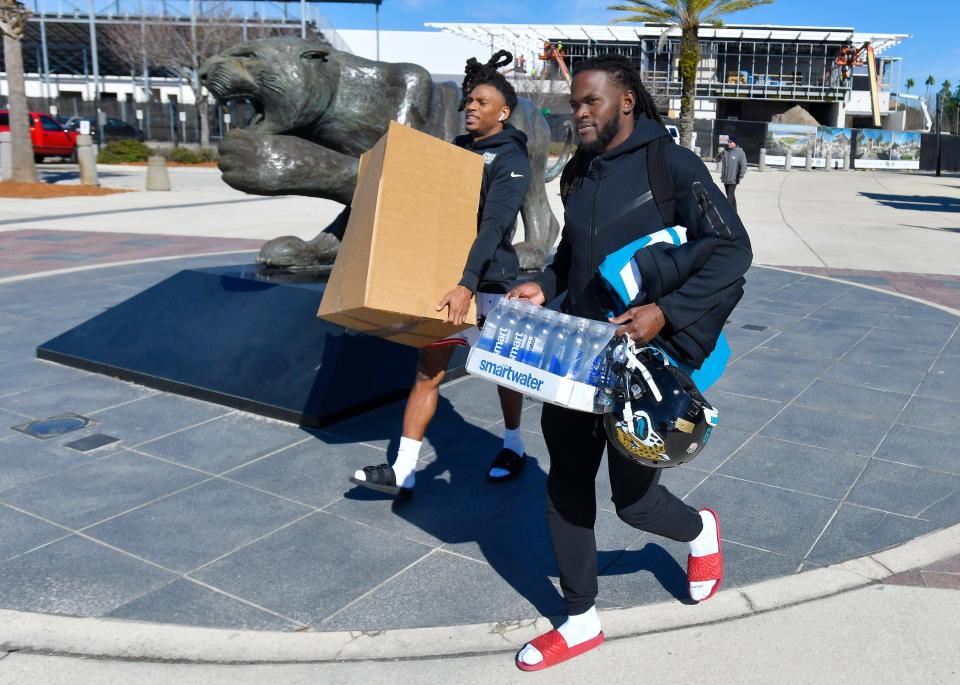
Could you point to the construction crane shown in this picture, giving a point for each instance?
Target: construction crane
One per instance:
(928, 122)
(851, 57)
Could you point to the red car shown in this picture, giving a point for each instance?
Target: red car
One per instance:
(50, 138)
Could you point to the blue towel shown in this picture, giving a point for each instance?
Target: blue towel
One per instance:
(621, 276)
(619, 271)
(712, 368)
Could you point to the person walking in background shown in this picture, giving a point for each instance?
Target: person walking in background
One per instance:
(733, 167)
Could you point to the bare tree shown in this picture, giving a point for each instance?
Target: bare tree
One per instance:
(13, 20)
(182, 49)
(543, 90)
(127, 43)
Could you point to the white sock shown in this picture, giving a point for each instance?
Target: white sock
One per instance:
(512, 440)
(405, 466)
(701, 546)
(575, 630)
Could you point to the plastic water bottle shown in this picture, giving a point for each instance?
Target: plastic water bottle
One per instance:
(521, 331)
(490, 327)
(594, 370)
(556, 346)
(518, 336)
(506, 328)
(577, 348)
(546, 321)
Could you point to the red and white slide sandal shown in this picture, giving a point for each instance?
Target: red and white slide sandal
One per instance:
(554, 650)
(709, 567)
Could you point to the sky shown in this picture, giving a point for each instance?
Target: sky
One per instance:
(933, 49)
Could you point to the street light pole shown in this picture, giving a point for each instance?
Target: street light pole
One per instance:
(939, 113)
(92, 10)
(146, 72)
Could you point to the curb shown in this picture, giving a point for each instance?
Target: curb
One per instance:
(131, 640)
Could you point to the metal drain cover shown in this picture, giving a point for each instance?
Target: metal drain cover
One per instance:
(92, 442)
(52, 426)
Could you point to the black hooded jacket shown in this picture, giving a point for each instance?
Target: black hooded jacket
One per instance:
(492, 261)
(611, 205)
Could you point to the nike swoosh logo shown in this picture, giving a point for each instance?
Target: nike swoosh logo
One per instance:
(514, 174)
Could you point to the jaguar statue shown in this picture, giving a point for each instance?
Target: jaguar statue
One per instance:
(317, 109)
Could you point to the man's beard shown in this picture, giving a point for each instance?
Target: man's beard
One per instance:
(604, 136)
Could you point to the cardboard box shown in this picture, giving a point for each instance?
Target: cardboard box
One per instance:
(412, 223)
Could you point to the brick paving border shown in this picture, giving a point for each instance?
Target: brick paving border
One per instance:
(942, 289)
(37, 250)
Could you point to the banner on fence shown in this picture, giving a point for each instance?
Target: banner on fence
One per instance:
(876, 149)
(797, 139)
(836, 141)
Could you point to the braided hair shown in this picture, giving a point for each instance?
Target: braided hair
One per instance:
(486, 74)
(621, 70)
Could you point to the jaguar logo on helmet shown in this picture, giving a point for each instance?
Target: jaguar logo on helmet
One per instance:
(657, 416)
(642, 441)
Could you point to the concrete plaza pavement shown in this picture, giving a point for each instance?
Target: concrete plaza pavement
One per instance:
(189, 513)
(785, 322)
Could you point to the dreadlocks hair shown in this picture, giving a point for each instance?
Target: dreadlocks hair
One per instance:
(486, 74)
(626, 74)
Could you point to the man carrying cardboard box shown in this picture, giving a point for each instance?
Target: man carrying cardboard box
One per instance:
(491, 266)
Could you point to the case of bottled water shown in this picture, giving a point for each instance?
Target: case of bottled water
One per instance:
(541, 353)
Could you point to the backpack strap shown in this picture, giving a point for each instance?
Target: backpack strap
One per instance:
(575, 167)
(661, 179)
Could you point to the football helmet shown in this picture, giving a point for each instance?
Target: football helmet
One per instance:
(655, 414)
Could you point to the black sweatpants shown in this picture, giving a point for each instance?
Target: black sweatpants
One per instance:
(576, 441)
(731, 194)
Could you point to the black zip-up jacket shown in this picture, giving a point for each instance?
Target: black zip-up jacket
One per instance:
(611, 206)
(492, 263)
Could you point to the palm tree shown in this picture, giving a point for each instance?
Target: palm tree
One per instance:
(13, 20)
(910, 84)
(688, 16)
(929, 82)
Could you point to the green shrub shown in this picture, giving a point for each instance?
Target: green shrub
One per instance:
(120, 151)
(184, 155)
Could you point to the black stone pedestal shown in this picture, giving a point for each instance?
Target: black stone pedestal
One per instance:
(245, 338)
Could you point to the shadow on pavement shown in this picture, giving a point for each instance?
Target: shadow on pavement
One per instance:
(55, 177)
(948, 229)
(652, 559)
(924, 203)
(503, 524)
(452, 486)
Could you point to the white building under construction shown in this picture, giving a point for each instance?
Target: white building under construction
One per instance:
(746, 72)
